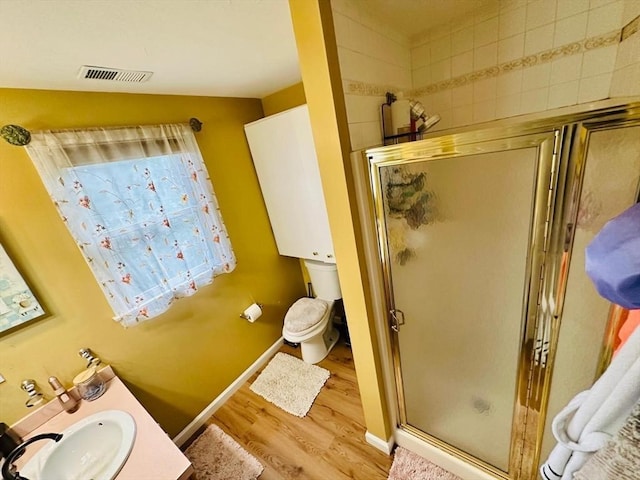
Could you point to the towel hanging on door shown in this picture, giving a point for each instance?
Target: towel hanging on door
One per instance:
(595, 415)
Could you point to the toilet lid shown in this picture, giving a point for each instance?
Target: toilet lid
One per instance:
(304, 314)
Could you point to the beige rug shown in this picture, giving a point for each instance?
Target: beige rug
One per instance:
(409, 466)
(290, 383)
(217, 456)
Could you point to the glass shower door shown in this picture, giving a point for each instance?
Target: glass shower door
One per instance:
(610, 185)
(462, 234)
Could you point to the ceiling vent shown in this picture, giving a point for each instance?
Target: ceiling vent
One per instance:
(114, 74)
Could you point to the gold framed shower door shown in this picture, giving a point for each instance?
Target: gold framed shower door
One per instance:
(561, 146)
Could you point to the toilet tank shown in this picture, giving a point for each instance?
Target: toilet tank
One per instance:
(324, 278)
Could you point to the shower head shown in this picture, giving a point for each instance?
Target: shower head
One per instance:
(418, 113)
(429, 122)
(417, 110)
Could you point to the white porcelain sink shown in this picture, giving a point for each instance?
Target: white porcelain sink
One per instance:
(94, 448)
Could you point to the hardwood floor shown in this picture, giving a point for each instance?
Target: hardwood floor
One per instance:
(327, 444)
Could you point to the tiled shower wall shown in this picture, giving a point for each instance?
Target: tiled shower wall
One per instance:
(525, 56)
(374, 59)
(521, 58)
(626, 75)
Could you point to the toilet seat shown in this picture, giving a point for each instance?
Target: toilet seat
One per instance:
(304, 314)
(300, 337)
(311, 322)
(306, 317)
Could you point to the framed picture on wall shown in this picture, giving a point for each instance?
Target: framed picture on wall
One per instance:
(17, 304)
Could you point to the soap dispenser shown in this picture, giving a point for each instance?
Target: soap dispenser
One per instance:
(69, 403)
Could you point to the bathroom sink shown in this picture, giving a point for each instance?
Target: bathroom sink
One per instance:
(94, 448)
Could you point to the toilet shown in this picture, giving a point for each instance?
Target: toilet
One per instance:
(309, 320)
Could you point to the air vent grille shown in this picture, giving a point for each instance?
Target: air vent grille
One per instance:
(114, 74)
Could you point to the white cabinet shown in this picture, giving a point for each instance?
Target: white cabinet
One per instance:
(285, 159)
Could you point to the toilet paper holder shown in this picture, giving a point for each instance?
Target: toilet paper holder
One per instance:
(248, 317)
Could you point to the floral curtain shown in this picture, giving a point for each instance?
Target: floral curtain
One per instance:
(140, 205)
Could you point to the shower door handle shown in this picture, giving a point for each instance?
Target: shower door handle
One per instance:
(397, 319)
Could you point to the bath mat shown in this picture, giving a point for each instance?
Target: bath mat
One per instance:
(410, 466)
(290, 383)
(217, 456)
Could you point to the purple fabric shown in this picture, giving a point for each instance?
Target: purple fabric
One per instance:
(613, 259)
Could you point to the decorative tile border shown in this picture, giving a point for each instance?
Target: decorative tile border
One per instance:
(353, 87)
(546, 56)
(612, 38)
(630, 28)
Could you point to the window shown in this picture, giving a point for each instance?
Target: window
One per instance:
(140, 205)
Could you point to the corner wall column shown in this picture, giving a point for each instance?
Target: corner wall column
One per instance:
(318, 55)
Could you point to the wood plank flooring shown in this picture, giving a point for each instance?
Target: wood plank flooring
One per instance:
(327, 444)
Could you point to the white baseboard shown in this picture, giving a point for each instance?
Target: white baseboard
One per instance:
(203, 416)
(385, 446)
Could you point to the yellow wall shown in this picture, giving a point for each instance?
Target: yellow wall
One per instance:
(317, 51)
(179, 362)
(284, 99)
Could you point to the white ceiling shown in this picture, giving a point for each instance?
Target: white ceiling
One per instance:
(233, 48)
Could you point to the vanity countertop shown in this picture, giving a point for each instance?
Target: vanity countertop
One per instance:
(153, 457)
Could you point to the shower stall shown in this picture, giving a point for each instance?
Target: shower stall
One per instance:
(490, 324)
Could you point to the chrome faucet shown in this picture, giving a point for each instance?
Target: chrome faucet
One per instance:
(9, 471)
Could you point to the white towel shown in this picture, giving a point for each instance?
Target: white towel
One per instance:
(595, 415)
